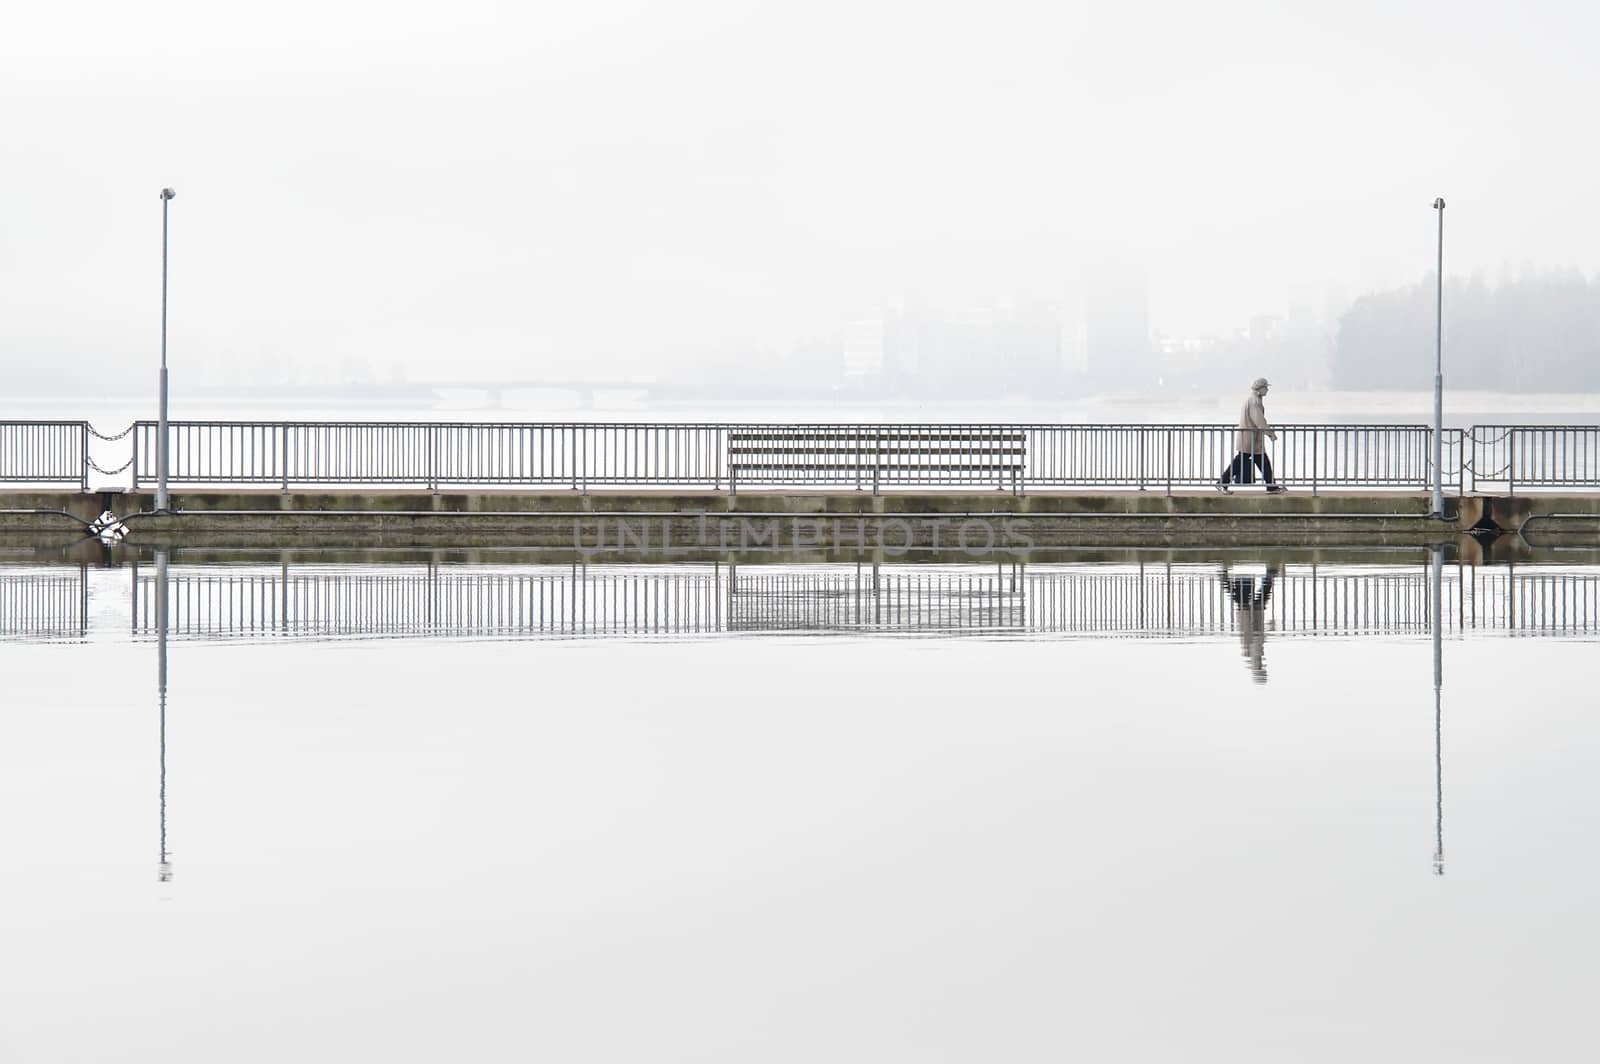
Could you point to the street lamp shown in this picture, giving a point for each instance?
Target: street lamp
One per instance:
(1438, 374)
(1438, 715)
(161, 439)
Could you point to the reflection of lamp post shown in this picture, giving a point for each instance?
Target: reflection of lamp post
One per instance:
(164, 869)
(161, 441)
(1438, 683)
(1438, 375)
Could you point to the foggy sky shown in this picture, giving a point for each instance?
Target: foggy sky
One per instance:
(626, 189)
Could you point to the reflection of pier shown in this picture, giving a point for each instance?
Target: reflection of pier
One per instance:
(44, 603)
(324, 601)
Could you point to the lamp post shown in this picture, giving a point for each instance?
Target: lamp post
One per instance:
(161, 439)
(1438, 715)
(1438, 374)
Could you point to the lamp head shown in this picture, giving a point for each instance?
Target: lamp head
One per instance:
(167, 193)
(1438, 204)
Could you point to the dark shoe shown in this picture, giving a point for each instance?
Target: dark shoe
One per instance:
(1276, 489)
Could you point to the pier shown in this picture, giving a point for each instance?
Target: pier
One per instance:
(831, 487)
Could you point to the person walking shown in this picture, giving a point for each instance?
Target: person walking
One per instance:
(1249, 440)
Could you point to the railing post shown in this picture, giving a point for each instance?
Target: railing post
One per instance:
(1017, 461)
(1511, 461)
(1476, 459)
(1432, 445)
(83, 464)
(283, 453)
(854, 450)
(1169, 463)
(1316, 459)
(986, 455)
(1024, 436)
(433, 458)
(1139, 443)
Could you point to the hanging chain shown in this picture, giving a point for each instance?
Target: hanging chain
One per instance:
(107, 472)
(97, 434)
(109, 439)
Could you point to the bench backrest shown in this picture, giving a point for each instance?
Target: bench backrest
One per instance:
(873, 455)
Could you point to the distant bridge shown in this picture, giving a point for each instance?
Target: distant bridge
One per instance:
(495, 389)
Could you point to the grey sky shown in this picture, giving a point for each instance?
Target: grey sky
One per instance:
(625, 188)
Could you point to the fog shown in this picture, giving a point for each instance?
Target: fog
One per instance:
(886, 198)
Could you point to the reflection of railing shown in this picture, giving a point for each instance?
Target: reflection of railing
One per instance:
(1531, 599)
(44, 603)
(912, 598)
(1155, 600)
(1180, 600)
(330, 601)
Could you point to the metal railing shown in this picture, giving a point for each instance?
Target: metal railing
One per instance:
(1171, 456)
(1154, 601)
(432, 454)
(1011, 457)
(1535, 456)
(725, 456)
(45, 452)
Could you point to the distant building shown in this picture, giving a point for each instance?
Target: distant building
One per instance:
(1014, 349)
(864, 348)
(1266, 329)
(1028, 348)
(1116, 316)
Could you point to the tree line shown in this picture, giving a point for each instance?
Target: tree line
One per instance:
(1537, 333)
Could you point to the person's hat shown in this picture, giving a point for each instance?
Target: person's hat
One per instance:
(1258, 384)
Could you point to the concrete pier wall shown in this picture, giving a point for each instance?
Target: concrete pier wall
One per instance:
(830, 522)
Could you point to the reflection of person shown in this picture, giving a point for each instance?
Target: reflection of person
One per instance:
(1250, 598)
(1249, 440)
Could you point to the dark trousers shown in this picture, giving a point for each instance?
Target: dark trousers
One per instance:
(1241, 471)
(1246, 593)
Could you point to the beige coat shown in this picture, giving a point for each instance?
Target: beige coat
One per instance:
(1252, 625)
(1253, 426)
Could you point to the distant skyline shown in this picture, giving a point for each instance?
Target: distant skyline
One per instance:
(635, 189)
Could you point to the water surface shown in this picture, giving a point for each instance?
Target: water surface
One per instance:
(302, 809)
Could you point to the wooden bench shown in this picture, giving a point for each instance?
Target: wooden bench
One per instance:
(861, 456)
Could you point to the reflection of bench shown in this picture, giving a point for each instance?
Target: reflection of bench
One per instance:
(876, 456)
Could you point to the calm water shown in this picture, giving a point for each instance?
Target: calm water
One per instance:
(428, 810)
